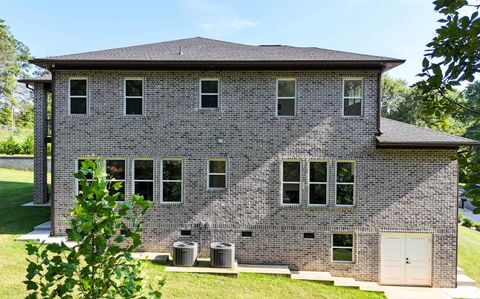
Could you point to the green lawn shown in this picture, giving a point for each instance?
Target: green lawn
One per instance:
(469, 252)
(16, 188)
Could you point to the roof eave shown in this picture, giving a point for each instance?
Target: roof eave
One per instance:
(217, 64)
(425, 144)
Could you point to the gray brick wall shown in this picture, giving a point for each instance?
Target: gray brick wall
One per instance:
(40, 150)
(397, 190)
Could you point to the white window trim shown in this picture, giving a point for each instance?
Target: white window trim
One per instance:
(343, 247)
(107, 180)
(152, 180)
(171, 181)
(344, 97)
(208, 93)
(217, 173)
(70, 96)
(340, 183)
(318, 183)
(77, 168)
(125, 97)
(294, 98)
(288, 182)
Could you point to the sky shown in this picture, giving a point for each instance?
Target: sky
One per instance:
(392, 28)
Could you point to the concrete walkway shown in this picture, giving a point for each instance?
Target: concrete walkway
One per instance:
(466, 286)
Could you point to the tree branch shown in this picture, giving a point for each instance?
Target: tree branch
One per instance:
(453, 101)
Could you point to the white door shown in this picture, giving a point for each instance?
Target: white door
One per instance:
(406, 259)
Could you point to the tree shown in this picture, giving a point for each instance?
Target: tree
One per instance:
(453, 58)
(14, 57)
(105, 233)
(24, 118)
(6, 115)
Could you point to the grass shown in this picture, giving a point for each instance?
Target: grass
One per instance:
(469, 252)
(16, 188)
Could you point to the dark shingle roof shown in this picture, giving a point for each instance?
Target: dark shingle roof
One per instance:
(395, 134)
(201, 49)
(46, 78)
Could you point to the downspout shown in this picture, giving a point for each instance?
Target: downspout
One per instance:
(52, 157)
(379, 100)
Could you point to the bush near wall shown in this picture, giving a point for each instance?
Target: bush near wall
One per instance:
(11, 147)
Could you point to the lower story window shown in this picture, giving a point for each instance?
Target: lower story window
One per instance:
(342, 247)
(172, 181)
(291, 182)
(143, 178)
(217, 174)
(88, 177)
(115, 169)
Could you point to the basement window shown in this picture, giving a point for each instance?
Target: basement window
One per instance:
(209, 95)
(247, 234)
(342, 247)
(77, 96)
(308, 236)
(186, 233)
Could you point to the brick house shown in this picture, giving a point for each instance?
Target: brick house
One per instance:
(278, 149)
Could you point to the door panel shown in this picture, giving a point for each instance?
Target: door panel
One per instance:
(405, 259)
(393, 259)
(418, 251)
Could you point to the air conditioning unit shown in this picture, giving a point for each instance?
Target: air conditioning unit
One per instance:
(222, 255)
(185, 253)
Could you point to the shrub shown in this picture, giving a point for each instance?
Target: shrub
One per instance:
(9, 146)
(49, 149)
(105, 232)
(467, 222)
(477, 227)
(461, 216)
(27, 145)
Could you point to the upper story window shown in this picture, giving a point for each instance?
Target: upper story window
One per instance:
(345, 183)
(352, 97)
(172, 181)
(217, 174)
(134, 96)
(318, 182)
(286, 97)
(291, 182)
(143, 178)
(115, 170)
(209, 95)
(78, 96)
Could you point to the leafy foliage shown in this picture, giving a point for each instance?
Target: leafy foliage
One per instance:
(28, 145)
(105, 232)
(9, 146)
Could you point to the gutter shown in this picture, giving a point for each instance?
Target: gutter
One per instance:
(379, 100)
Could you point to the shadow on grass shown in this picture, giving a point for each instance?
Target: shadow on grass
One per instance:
(15, 219)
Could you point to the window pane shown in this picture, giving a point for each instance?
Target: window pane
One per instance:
(209, 101)
(116, 169)
(291, 193)
(78, 87)
(217, 166)
(145, 189)
(352, 107)
(172, 192)
(291, 171)
(172, 170)
(134, 106)
(133, 88)
(89, 176)
(343, 240)
(344, 194)
(112, 190)
(286, 88)
(216, 181)
(345, 172)
(78, 105)
(143, 169)
(318, 194)
(352, 88)
(318, 171)
(210, 86)
(342, 254)
(286, 107)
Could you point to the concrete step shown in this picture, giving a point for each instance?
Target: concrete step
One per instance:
(460, 271)
(312, 276)
(159, 257)
(369, 286)
(464, 280)
(43, 226)
(345, 282)
(36, 236)
(264, 269)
